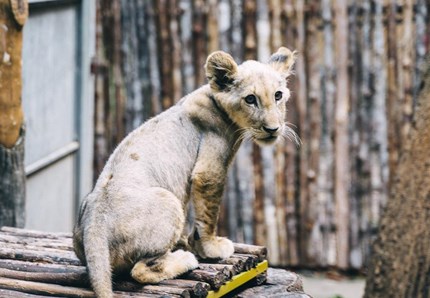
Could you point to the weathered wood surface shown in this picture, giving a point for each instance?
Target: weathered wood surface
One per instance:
(12, 176)
(352, 105)
(44, 264)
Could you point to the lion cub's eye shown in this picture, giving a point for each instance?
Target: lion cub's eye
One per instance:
(251, 99)
(278, 95)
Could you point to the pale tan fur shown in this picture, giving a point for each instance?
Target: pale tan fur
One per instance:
(133, 220)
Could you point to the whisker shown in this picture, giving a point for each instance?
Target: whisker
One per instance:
(291, 135)
(242, 134)
(289, 124)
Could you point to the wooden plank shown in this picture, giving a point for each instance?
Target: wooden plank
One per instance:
(341, 160)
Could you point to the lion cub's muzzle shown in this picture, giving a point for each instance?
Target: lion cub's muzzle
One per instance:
(269, 135)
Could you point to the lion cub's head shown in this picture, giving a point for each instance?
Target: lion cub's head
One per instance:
(253, 94)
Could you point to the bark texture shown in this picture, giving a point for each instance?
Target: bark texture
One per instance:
(12, 176)
(400, 265)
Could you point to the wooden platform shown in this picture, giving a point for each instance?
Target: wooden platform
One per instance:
(39, 264)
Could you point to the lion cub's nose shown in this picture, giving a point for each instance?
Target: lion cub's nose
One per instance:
(270, 130)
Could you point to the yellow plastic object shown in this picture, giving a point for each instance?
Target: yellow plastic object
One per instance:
(239, 280)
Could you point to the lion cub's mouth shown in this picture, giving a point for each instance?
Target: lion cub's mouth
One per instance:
(267, 140)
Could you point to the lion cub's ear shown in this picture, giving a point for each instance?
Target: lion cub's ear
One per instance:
(220, 70)
(283, 61)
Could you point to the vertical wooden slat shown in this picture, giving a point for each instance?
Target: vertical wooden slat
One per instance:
(237, 29)
(407, 43)
(134, 64)
(199, 41)
(421, 18)
(357, 190)
(99, 69)
(301, 104)
(392, 93)
(243, 163)
(326, 165)
(267, 153)
(291, 180)
(165, 56)
(341, 160)
(275, 11)
(314, 43)
(250, 30)
(378, 129)
(175, 50)
(153, 52)
(116, 58)
(186, 23)
(213, 25)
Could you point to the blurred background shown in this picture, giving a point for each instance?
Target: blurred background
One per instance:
(95, 70)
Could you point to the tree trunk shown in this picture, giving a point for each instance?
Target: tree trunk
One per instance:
(12, 176)
(400, 265)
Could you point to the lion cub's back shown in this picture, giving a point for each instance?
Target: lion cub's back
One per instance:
(161, 152)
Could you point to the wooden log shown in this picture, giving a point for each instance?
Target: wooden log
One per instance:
(34, 256)
(13, 294)
(250, 261)
(40, 267)
(42, 288)
(66, 253)
(64, 244)
(197, 288)
(214, 278)
(238, 263)
(134, 287)
(34, 233)
(63, 278)
(224, 269)
(165, 290)
(77, 276)
(260, 251)
(141, 295)
(63, 291)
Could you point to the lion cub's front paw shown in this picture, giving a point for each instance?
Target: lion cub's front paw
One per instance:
(214, 248)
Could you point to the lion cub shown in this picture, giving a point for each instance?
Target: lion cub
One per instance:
(135, 216)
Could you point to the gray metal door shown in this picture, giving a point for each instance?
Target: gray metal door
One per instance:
(58, 106)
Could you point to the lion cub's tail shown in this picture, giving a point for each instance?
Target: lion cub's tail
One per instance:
(97, 256)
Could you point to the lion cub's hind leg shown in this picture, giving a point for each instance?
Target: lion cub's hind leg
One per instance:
(167, 266)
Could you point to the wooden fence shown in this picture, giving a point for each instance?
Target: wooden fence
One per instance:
(357, 78)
